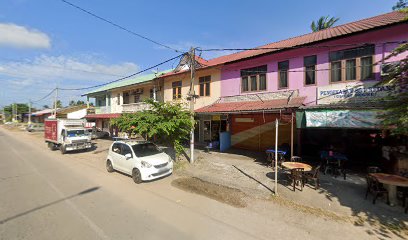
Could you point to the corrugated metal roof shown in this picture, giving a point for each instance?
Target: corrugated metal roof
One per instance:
(249, 106)
(128, 82)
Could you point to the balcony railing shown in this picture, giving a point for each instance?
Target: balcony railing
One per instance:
(103, 109)
(134, 107)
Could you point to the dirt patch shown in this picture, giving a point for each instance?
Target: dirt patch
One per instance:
(224, 194)
(310, 210)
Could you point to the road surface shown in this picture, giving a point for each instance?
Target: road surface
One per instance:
(46, 195)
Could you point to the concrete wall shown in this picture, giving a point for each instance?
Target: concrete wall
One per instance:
(231, 80)
(77, 114)
(215, 89)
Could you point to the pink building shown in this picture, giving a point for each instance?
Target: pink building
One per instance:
(325, 81)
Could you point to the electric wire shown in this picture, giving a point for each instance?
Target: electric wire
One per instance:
(46, 96)
(120, 27)
(120, 79)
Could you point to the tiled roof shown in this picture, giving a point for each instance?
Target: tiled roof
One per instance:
(326, 34)
(310, 38)
(226, 107)
(103, 115)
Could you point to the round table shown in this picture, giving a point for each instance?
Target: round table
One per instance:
(292, 165)
(391, 182)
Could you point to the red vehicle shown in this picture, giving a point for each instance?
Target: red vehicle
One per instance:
(66, 134)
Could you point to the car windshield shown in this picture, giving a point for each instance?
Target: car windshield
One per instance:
(145, 149)
(75, 133)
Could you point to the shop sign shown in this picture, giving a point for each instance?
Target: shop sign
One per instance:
(216, 117)
(351, 92)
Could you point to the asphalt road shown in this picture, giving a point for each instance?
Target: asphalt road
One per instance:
(46, 195)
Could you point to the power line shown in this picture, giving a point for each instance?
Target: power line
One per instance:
(120, 79)
(120, 27)
(46, 96)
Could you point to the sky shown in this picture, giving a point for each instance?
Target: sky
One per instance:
(48, 43)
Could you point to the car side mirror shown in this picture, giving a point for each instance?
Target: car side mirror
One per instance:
(128, 156)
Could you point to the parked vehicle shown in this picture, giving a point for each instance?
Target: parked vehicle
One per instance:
(141, 159)
(66, 134)
(97, 133)
(35, 127)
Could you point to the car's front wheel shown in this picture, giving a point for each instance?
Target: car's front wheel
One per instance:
(137, 177)
(63, 149)
(109, 166)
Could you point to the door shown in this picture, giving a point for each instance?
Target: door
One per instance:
(116, 156)
(127, 164)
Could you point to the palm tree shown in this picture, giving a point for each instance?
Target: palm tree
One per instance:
(323, 23)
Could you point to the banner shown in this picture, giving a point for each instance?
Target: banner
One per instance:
(342, 119)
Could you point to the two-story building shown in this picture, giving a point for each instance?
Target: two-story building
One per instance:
(328, 77)
(124, 96)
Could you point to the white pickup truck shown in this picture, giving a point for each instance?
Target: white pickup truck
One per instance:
(66, 134)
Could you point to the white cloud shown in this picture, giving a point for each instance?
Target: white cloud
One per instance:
(49, 68)
(12, 35)
(32, 79)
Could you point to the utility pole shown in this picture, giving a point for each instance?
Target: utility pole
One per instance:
(55, 102)
(192, 97)
(29, 112)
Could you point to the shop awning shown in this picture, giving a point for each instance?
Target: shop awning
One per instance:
(104, 115)
(252, 106)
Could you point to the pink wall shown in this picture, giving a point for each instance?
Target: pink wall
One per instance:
(230, 74)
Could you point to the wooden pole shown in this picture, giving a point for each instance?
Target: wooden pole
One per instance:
(276, 156)
(291, 137)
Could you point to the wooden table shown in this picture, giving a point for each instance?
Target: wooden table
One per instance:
(391, 182)
(292, 165)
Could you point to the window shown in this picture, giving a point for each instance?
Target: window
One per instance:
(352, 64)
(283, 68)
(126, 98)
(351, 69)
(118, 99)
(145, 149)
(253, 79)
(136, 97)
(116, 148)
(151, 93)
(176, 89)
(126, 150)
(205, 85)
(336, 71)
(366, 68)
(310, 70)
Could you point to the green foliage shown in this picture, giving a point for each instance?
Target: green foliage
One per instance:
(21, 108)
(401, 4)
(77, 103)
(169, 121)
(323, 23)
(396, 114)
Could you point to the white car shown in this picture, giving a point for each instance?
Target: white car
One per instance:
(142, 160)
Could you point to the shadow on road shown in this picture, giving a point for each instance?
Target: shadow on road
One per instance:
(49, 204)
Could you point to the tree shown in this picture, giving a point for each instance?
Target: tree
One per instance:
(323, 23)
(46, 106)
(401, 4)
(168, 121)
(20, 107)
(77, 103)
(59, 104)
(396, 115)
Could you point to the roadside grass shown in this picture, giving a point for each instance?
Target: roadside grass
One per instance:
(220, 193)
